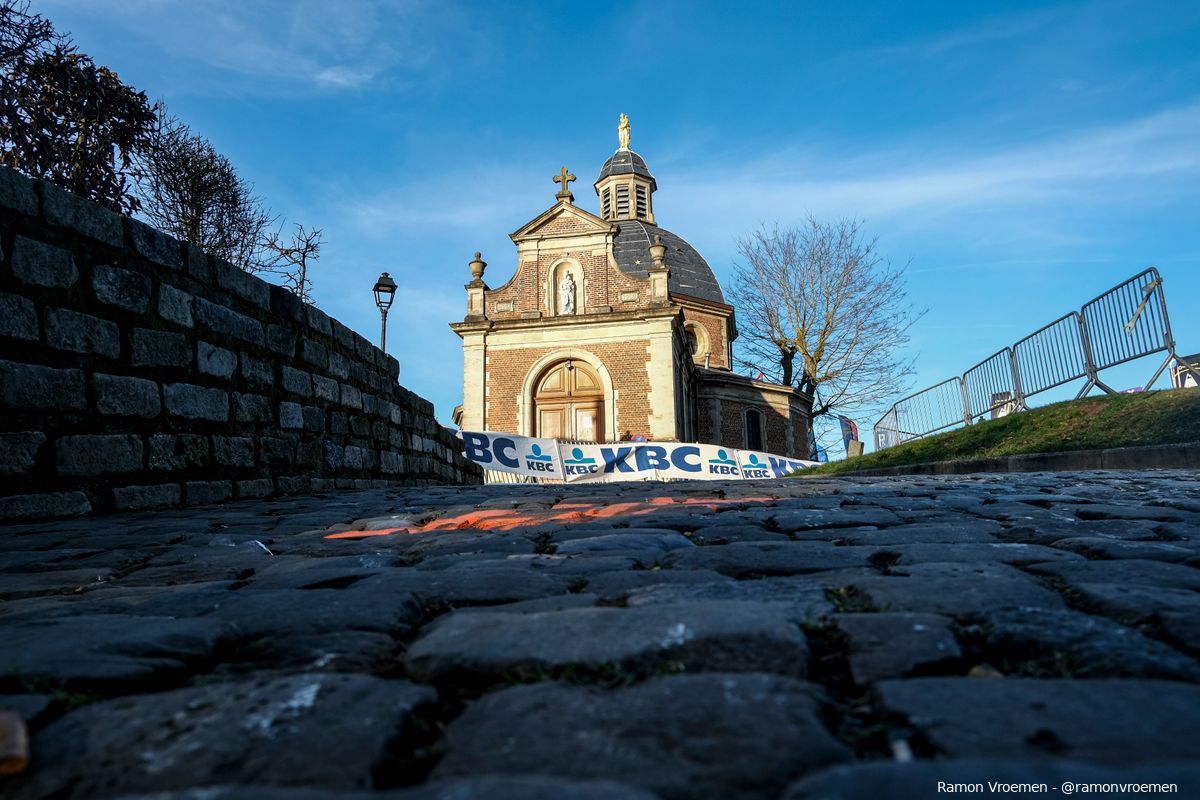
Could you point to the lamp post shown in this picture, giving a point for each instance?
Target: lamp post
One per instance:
(385, 292)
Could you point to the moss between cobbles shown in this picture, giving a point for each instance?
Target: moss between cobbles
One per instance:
(1094, 423)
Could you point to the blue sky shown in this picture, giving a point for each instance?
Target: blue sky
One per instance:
(1021, 157)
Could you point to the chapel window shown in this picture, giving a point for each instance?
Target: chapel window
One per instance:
(754, 437)
(623, 201)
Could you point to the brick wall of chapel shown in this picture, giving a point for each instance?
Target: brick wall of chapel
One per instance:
(626, 363)
(714, 326)
(603, 280)
(731, 432)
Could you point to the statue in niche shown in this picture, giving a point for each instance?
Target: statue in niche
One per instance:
(566, 294)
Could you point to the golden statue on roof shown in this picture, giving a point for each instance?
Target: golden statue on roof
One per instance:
(623, 132)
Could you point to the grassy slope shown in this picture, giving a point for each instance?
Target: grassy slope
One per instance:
(1126, 420)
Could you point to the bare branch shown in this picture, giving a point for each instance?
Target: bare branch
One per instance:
(292, 258)
(820, 309)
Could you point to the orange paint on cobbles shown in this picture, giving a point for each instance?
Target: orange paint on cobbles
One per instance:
(506, 519)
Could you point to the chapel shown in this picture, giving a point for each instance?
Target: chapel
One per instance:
(614, 328)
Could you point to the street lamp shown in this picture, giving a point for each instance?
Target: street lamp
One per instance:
(385, 292)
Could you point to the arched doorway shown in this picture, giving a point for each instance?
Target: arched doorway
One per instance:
(568, 403)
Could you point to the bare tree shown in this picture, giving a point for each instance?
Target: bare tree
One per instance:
(822, 294)
(192, 192)
(292, 257)
(63, 118)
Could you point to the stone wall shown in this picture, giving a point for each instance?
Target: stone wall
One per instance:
(138, 372)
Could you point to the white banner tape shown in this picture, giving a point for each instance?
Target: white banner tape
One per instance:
(622, 461)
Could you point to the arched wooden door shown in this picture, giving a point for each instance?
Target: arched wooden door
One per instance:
(568, 403)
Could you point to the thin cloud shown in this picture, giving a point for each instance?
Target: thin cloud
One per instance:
(1084, 167)
(279, 44)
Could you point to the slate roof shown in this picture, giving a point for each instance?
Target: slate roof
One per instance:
(690, 273)
(626, 162)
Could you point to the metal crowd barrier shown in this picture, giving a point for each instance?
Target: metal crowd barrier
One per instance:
(1127, 322)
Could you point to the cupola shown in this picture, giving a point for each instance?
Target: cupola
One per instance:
(625, 186)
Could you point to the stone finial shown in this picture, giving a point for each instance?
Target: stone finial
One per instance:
(564, 178)
(478, 266)
(658, 251)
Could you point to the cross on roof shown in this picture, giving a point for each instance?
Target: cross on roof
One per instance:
(564, 178)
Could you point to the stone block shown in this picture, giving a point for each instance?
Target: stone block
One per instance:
(391, 462)
(261, 487)
(213, 360)
(253, 731)
(233, 451)
(353, 457)
(277, 451)
(122, 288)
(281, 340)
(315, 353)
(256, 371)
(292, 484)
(175, 305)
(196, 402)
(251, 408)
(309, 453)
(359, 426)
(18, 317)
(351, 397)
(325, 388)
(170, 452)
(160, 349)
(333, 454)
(65, 210)
(130, 498)
(318, 320)
(16, 193)
(28, 387)
(706, 735)
(343, 335)
(197, 263)
(364, 349)
(82, 333)
(227, 322)
(154, 244)
(339, 423)
(98, 454)
(721, 636)
(43, 506)
(241, 283)
(200, 493)
(339, 366)
(314, 419)
(297, 382)
(42, 264)
(285, 304)
(116, 395)
(18, 451)
(290, 416)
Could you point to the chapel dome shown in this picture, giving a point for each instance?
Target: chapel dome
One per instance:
(626, 162)
(690, 274)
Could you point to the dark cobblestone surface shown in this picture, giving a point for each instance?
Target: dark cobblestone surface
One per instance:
(834, 638)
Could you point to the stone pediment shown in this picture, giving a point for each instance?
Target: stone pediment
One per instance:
(562, 219)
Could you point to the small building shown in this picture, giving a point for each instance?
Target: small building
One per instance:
(613, 327)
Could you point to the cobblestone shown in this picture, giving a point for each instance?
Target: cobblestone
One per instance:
(784, 640)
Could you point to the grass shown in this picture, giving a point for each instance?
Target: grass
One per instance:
(1094, 423)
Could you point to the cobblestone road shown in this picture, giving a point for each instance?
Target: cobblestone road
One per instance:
(847, 638)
